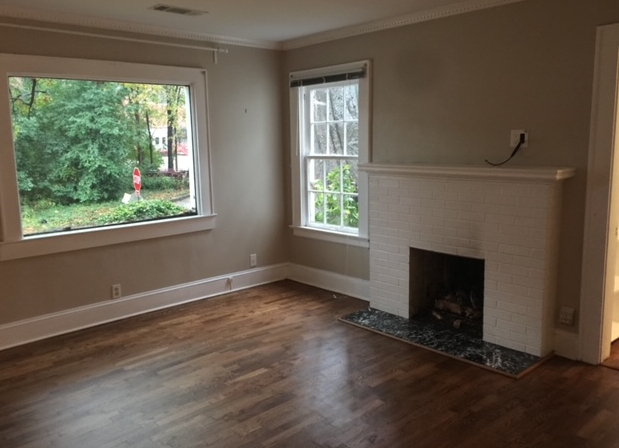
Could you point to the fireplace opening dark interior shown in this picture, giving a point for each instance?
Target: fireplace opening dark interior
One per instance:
(447, 290)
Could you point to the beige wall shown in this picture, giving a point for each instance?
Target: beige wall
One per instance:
(248, 185)
(448, 91)
(445, 91)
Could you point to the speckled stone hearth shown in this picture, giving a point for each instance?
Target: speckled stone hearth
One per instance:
(428, 334)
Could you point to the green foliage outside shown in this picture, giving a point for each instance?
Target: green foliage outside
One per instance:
(338, 180)
(76, 145)
(142, 211)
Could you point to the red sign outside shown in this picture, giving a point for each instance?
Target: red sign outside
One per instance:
(137, 180)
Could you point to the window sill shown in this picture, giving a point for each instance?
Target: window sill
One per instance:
(34, 246)
(334, 237)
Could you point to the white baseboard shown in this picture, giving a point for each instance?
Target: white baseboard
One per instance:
(351, 286)
(42, 327)
(567, 345)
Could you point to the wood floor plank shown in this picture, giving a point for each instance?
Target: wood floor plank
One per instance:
(272, 367)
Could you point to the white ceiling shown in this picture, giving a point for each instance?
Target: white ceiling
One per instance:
(264, 22)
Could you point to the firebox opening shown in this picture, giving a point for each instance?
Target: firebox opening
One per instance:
(447, 289)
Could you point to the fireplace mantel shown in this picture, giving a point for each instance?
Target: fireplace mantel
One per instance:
(516, 173)
(508, 216)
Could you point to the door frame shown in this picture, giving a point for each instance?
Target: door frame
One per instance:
(600, 241)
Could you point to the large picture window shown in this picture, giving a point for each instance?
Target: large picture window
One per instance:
(97, 153)
(330, 124)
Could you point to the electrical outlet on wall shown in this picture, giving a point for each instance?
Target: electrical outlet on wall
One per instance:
(253, 260)
(116, 291)
(515, 138)
(566, 315)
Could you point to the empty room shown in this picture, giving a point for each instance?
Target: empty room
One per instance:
(324, 224)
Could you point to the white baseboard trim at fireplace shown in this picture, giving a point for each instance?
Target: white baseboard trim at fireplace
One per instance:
(567, 345)
(343, 284)
(42, 327)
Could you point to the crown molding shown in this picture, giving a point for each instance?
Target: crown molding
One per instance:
(66, 19)
(394, 22)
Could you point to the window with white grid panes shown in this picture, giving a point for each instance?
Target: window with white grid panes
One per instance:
(330, 129)
(331, 153)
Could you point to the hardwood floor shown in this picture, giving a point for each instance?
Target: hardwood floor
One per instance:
(272, 367)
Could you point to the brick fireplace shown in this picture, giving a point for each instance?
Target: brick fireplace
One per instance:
(508, 217)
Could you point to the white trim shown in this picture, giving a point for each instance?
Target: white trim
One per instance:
(343, 284)
(108, 36)
(567, 344)
(42, 327)
(334, 237)
(339, 33)
(600, 212)
(522, 173)
(122, 26)
(102, 236)
(297, 159)
(394, 22)
(13, 244)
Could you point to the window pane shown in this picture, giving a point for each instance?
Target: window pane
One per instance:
(319, 105)
(77, 144)
(316, 175)
(352, 138)
(352, 102)
(337, 138)
(319, 138)
(350, 173)
(351, 211)
(336, 103)
(317, 208)
(334, 209)
(334, 176)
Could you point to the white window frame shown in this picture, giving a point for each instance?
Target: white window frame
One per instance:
(13, 244)
(300, 220)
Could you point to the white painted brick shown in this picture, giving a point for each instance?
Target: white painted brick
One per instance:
(460, 206)
(513, 345)
(535, 351)
(490, 339)
(399, 209)
(514, 230)
(399, 192)
(528, 262)
(512, 308)
(388, 183)
(488, 209)
(516, 190)
(490, 303)
(498, 314)
(398, 242)
(432, 203)
(490, 321)
(498, 332)
(471, 252)
(410, 201)
(456, 243)
(514, 289)
(529, 282)
(516, 210)
(499, 277)
(525, 339)
(514, 250)
(471, 216)
(513, 327)
(401, 258)
(445, 195)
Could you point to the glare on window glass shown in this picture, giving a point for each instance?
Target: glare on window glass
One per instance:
(97, 153)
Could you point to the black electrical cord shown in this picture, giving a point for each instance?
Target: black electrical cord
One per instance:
(516, 149)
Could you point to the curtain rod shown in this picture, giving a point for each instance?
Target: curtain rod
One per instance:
(215, 50)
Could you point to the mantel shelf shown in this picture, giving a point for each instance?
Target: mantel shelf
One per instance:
(520, 173)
